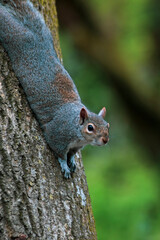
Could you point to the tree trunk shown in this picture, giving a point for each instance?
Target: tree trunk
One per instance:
(36, 202)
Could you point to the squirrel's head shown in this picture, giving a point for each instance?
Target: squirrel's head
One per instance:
(94, 128)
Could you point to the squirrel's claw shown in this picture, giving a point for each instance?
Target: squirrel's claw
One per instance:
(72, 165)
(64, 168)
(67, 174)
(73, 168)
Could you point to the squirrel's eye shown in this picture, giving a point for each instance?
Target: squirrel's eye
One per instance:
(90, 128)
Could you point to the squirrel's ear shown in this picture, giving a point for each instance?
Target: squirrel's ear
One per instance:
(102, 113)
(83, 116)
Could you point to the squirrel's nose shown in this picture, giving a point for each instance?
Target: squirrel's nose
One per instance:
(105, 139)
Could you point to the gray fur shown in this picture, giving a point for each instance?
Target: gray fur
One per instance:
(50, 90)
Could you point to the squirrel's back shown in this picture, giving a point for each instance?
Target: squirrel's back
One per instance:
(67, 124)
(29, 44)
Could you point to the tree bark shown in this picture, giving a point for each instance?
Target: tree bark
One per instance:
(36, 202)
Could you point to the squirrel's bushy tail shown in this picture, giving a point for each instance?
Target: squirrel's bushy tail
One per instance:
(29, 44)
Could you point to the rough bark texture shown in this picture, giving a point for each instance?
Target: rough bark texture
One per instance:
(36, 202)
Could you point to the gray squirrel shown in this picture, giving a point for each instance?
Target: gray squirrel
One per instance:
(66, 123)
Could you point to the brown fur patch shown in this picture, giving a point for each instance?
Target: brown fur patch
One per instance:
(65, 88)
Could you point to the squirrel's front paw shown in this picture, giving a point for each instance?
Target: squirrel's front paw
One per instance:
(64, 168)
(72, 165)
(67, 173)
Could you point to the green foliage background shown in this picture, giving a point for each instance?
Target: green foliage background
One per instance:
(123, 182)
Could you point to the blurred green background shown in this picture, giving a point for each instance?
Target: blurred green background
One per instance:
(112, 51)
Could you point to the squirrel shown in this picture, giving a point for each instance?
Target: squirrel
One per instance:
(66, 123)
